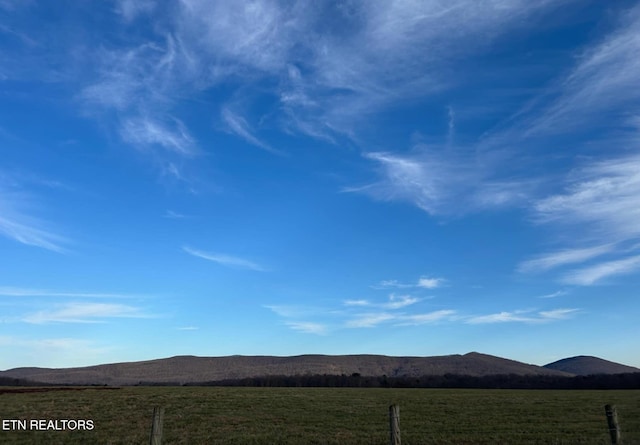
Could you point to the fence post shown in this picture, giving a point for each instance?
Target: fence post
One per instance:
(394, 423)
(156, 426)
(612, 420)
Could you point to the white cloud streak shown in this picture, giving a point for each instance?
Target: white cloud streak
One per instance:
(561, 258)
(423, 282)
(523, 316)
(224, 260)
(329, 77)
(603, 199)
(430, 283)
(28, 292)
(596, 273)
(418, 39)
(374, 319)
(131, 9)
(604, 195)
(442, 182)
(298, 318)
(557, 314)
(357, 303)
(454, 181)
(308, 327)
(376, 315)
(400, 301)
(170, 214)
(292, 311)
(370, 320)
(394, 302)
(559, 293)
(238, 125)
(144, 131)
(141, 84)
(84, 313)
(605, 79)
(431, 317)
(27, 231)
(245, 37)
(18, 224)
(386, 284)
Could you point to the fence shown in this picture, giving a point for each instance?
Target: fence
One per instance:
(394, 425)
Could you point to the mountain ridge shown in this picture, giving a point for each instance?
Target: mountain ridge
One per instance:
(184, 369)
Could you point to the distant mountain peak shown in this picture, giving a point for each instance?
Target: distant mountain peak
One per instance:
(588, 365)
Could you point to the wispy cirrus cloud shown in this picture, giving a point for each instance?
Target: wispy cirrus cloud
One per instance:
(308, 327)
(224, 259)
(552, 260)
(590, 275)
(600, 199)
(423, 282)
(374, 319)
(6, 291)
(238, 125)
(84, 313)
(328, 78)
(400, 301)
(394, 302)
(363, 314)
(136, 87)
(603, 195)
(290, 67)
(442, 182)
(170, 214)
(370, 319)
(430, 317)
(557, 314)
(131, 9)
(18, 223)
(357, 302)
(395, 284)
(523, 316)
(603, 80)
(293, 310)
(559, 293)
(143, 131)
(419, 39)
(29, 231)
(303, 319)
(358, 314)
(247, 40)
(603, 199)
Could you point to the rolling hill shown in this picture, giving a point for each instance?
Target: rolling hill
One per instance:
(191, 369)
(587, 365)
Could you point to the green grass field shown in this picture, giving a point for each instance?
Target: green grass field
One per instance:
(215, 415)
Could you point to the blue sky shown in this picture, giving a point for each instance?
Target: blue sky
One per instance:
(278, 177)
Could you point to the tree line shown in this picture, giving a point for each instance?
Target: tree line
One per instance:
(501, 381)
(355, 380)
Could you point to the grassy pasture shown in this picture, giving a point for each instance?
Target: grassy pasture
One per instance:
(218, 415)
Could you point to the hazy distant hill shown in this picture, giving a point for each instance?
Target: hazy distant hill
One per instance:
(190, 369)
(587, 365)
